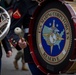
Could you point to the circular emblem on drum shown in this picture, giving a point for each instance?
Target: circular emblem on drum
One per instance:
(53, 36)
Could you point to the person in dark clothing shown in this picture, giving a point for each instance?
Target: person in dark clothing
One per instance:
(22, 10)
(7, 47)
(8, 4)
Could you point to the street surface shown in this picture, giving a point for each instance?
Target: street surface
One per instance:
(8, 67)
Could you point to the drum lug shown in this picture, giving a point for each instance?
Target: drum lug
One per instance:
(74, 17)
(31, 52)
(38, 66)
(31, 17)
(48, 73)
(72, 60)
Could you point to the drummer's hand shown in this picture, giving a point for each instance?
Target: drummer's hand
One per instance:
(9, 54)
(22, 43)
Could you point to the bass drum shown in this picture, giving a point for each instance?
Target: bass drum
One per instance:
(52, 37)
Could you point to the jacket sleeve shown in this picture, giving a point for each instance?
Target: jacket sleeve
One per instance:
(6, 45)
(13, 39)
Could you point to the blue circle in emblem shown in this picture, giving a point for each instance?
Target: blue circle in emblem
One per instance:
(52, 31)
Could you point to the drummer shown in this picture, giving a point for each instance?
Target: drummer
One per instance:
(22, 11)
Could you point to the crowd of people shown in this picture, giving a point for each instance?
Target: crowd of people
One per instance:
(20, 12)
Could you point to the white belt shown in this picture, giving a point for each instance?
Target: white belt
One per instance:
(26, 30)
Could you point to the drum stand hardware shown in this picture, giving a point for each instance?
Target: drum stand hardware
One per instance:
(72, 60)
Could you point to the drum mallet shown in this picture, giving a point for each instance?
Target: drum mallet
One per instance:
(20, 33)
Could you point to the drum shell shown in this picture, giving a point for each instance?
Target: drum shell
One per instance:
(72, 10)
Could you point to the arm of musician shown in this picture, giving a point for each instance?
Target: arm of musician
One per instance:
(7, 47)
(15, 40)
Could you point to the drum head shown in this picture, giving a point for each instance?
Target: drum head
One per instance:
(52, 37)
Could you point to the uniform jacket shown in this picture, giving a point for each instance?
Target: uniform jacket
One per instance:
(21, 16)
(20, 11)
